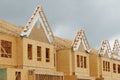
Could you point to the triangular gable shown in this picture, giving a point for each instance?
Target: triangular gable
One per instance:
(81, 38)
(106, 54)
(81, 48)
(39, 16)
(38, 31)
(116, 47)
(116, 50)
(105, 49)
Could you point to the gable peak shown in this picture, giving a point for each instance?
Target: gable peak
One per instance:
(116, 47)
(81, 37)
(105, 49)
(38, 15)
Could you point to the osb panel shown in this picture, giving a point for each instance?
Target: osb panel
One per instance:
(63, 61)
(38, 34)
(70, 77)
(34, 62)
(81, 48)
(106, 54)
(93, 65)
(19, 52)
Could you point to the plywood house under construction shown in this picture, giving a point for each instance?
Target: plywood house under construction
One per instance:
(76, 58)
(106, 62)
(32, 52)
(28, 53)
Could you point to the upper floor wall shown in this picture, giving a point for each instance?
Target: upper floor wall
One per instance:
(81, 63)
(73, 63)
(19, 52)
(110, 67)
(38, 54)
(8, 50)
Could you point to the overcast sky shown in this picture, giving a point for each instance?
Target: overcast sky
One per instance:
(99, 18)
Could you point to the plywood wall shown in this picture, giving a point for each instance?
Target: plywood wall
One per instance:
(63, 61)
(38, 34)
(78, 70)
(9, 62)
(34, 63)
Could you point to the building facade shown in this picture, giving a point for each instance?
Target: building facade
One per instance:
(76, 58)
(32, 52)
(28, 53)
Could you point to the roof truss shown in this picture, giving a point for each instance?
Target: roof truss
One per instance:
(116, 50)
(38, 15)
(116, 47)
(81, 38)
(105, 49)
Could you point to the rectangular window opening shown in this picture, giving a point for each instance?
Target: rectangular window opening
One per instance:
(39, 53)
(81, 58)
(108, 66)
(85, 63)
(6, 49)
(54, 60)
(119, 69)
(29, 51)
(114, 68)
(47, 55)
(104, 66)
(17, 75)
(78, 61)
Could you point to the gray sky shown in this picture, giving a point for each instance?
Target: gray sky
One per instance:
(99, 18)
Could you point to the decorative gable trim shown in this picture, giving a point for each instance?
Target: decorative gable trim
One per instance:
(81, 38)
(38, 15)
(105, 48)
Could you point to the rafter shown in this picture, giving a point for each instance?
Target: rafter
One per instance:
(81, 38)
